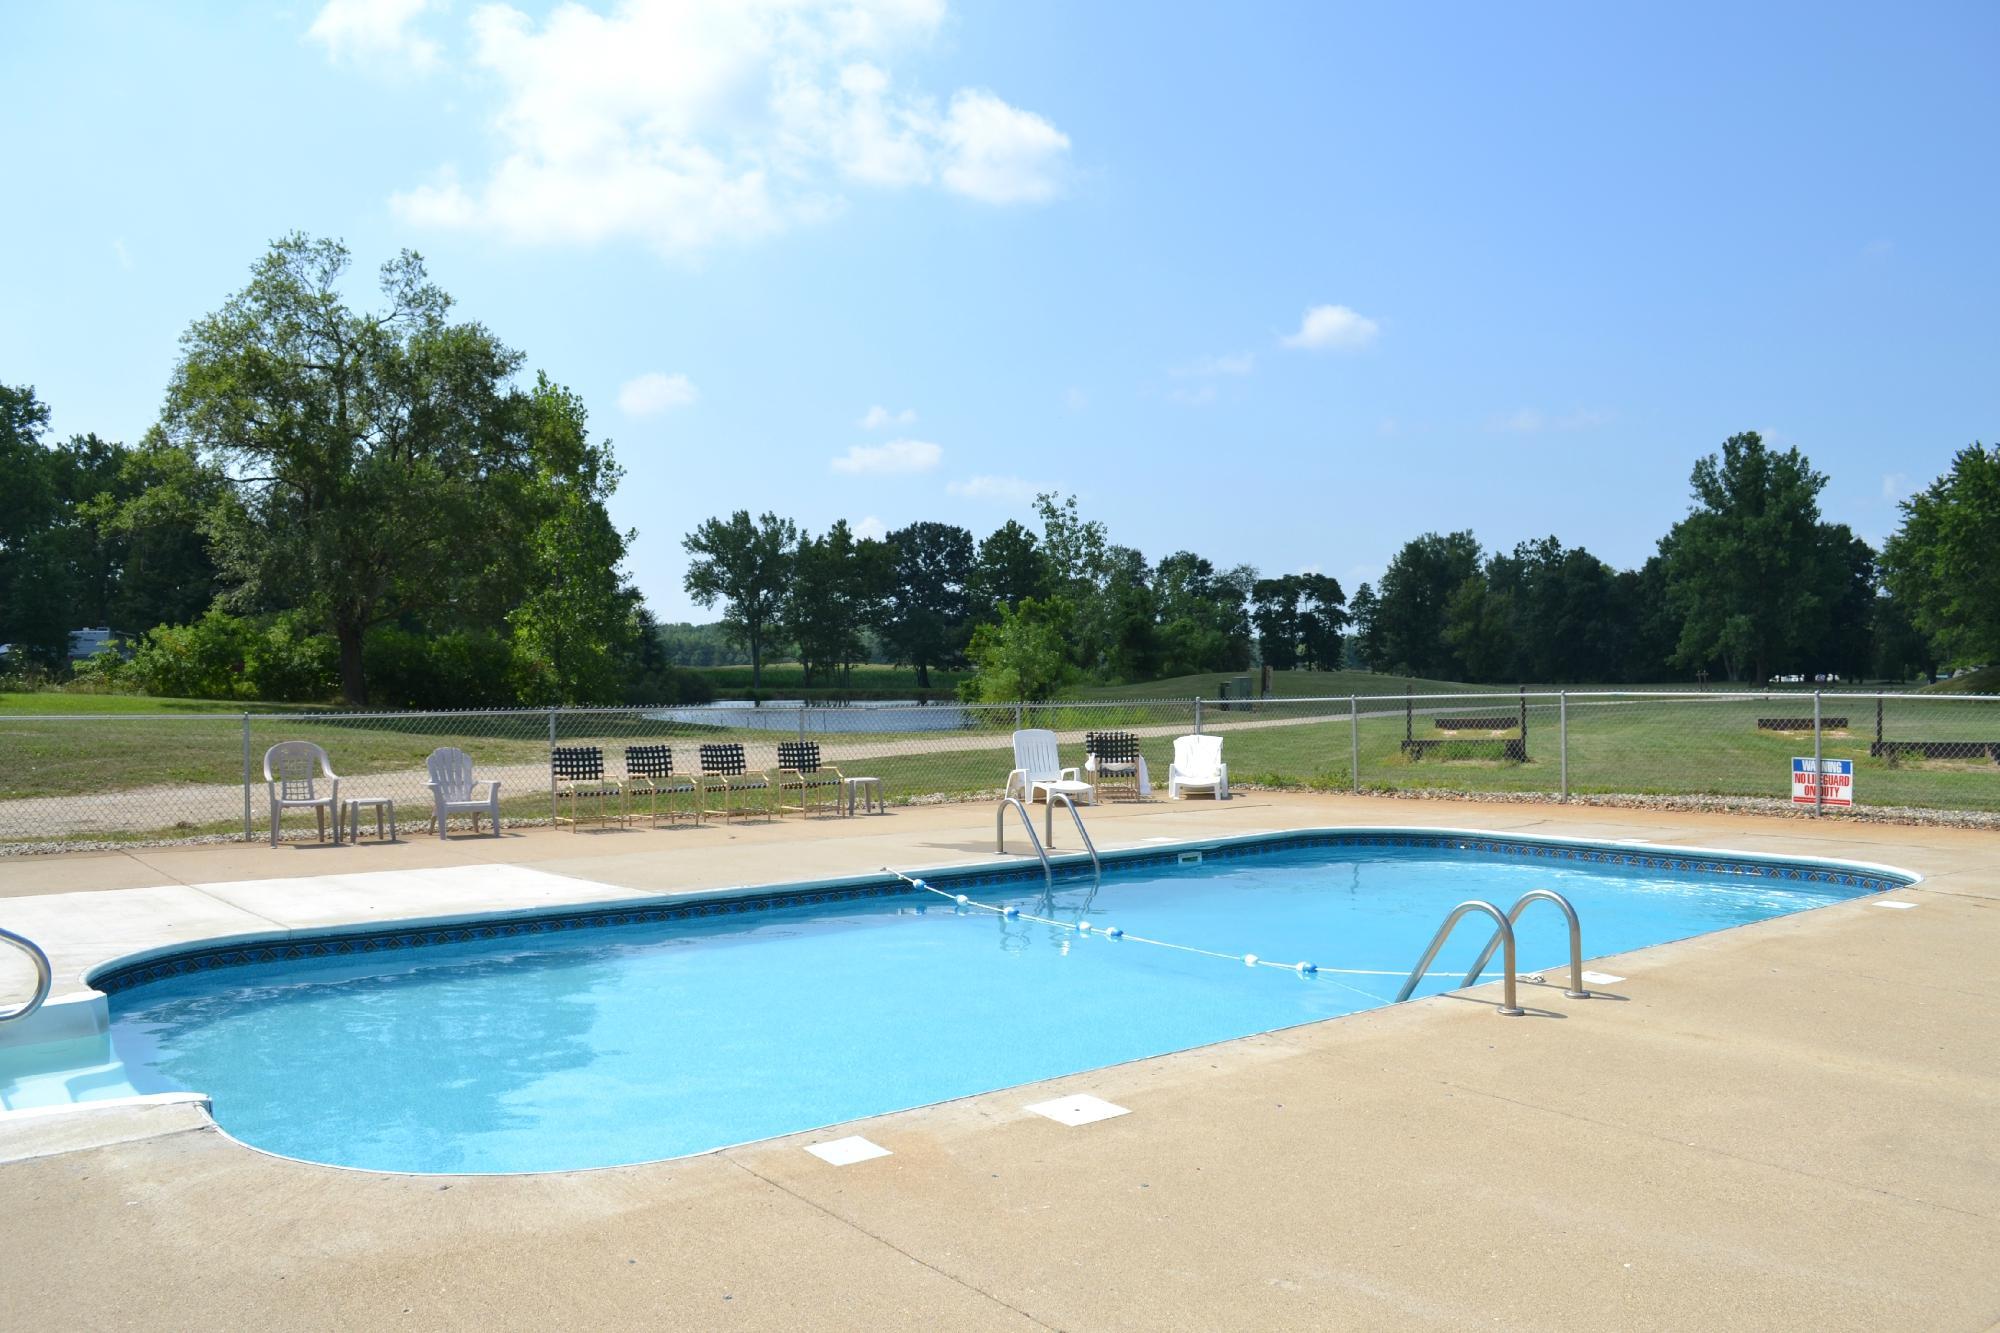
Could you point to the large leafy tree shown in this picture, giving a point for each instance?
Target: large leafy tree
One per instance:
(1943, 564)
(837, 586)
(927, 612)
(1203, 616)
(1412, 604)
(370, 453)
(1753, 573)
(575, 631)
(746, 566)
(1274, 609)
(94, 533)
(1009, 567)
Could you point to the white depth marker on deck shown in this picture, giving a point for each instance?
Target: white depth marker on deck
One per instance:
(1082, 1109)
(847, 1151)
(1596, 978)
(1901, 907)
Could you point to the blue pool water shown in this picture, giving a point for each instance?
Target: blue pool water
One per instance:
(631, 1043)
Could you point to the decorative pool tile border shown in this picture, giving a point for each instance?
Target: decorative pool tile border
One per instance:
(356, 943)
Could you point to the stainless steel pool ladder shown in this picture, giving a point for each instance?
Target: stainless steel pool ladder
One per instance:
(1576, 989)
(44, 975)
(1028, 823)
(1049, 828)
(1503, 936)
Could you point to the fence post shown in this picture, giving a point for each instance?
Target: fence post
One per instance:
(553, 806)
(1819, 771)
(802, 721)
(1017, 715)
(1562, 737)
(1197, 715)
(249, 834)
(1354, 738)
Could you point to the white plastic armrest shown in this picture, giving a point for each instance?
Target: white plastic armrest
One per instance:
(1069, 775)
(1019, 775)
(494, 783)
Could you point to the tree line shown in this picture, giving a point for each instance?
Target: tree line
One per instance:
(1753, 583)
(372, 503)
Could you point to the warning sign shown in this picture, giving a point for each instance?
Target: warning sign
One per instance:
(1810, 775)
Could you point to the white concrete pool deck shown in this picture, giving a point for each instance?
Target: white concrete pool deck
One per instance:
(1795, 1123)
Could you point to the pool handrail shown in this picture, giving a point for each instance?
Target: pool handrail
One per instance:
(1028, 823)
(44, 974)
(1506, 934)
(1577, 990)
(1049, 828)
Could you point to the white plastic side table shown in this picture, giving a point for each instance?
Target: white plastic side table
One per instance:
(352, 806)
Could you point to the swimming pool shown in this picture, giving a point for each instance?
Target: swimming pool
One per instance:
(600, 1039)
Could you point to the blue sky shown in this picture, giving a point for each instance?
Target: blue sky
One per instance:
(1284, 285)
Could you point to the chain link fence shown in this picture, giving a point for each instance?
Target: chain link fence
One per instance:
(95, 780)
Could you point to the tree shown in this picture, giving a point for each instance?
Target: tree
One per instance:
(366, 451)
(927, 612)
(1204, 621)
(1009, 568)
(1364, 643)
(1943, 563)
(1752, 572)
(1274, 610)
(836, 589)
(746, 566)
(1412, 601)
(1322, 620)
(574, 629)
(1023, 656)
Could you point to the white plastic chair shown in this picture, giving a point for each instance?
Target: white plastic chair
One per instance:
(451, 787)
(1038, 770)
(1198, 764)
(292, 774)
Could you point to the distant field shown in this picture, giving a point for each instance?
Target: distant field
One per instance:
(1284, 685)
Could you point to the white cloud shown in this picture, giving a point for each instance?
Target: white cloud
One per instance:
(653, 393)
(690, 123)
(1333, 326)
(1236, 363)
(871, 528)
(1000, 154)
(376, 33)
(1895, 485)
(1534, 421)
(1009, 489)
(877, 417)
(885, 459)
(1201, 395)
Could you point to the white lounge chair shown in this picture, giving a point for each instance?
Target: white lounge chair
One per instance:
(1198, 764)
(293, 771)
(1038, 770)
(451, 787)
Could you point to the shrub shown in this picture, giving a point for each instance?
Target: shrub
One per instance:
(199, 661)
(288, 661)
(463, 669)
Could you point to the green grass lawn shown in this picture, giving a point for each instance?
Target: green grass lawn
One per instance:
(1689, 744)
(55, 703)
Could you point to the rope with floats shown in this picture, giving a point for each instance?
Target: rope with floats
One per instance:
(1010, 912)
